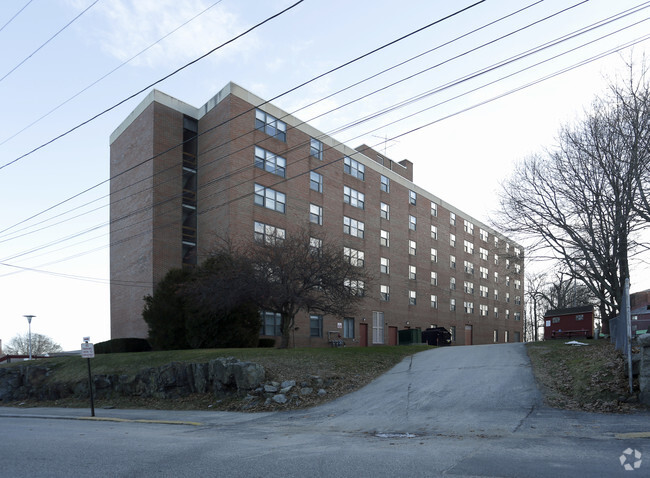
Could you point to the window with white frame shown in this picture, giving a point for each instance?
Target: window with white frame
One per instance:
(384, 184)
(517, 315)
(434, 255)
(412, 247)
(517, 284)
(483, 234)
(270, 198)
(452, 218)
(270, 162)
(356, 287)
(496, 277)
(483, 310)
(507, 314)
(412, 273)
(384, 293)
(517, 300)
(483, 253)
(384, 238)
(468, 247)
(469, 227)
(316, 181)
(507, 247)
(506, 336)
(268, 234)
(496, 312)
(483, 271)
(348, 328)
(353, 227)
(354, 168)
(354, 256)
(496, 294)
(452, 262)
(468, 307)
(484, 291)
(270, 125)
(353, 197)
(316, 214)
(434, 232)
(496, 241)
(452, 240)
(507, 263)
(496, 259)
(434, 209)
(413, 222)
(315, 245)
(507, 297)
(384, 210)
(434, 301)
(316, 149)
(413, 197)
(315, 325)
(517, 268)
(469, 267)
(271, 323)
(508, 281)
(517, 252)
(384, 265)
(412, 297)
(452, 283)
(468, 287)
(452, 304)
(377, 327)
(434, 278)
(495, 337)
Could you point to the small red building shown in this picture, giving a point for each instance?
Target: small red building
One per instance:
(572, 322)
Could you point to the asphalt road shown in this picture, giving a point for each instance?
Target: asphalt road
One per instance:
(458, 411)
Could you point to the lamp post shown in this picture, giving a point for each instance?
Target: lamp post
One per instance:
(29, 321)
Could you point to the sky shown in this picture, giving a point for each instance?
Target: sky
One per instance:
(464, 98)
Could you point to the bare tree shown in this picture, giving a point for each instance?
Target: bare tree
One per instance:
(576, 202)
(41, 345)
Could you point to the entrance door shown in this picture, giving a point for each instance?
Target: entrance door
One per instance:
(392, 335)
(363, 334)
(468, 335)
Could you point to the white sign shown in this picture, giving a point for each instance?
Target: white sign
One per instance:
(87, 350)
(339, 325)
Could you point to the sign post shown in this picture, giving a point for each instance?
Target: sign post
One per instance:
(88, 352)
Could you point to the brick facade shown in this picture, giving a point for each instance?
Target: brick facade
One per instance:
(146, 221)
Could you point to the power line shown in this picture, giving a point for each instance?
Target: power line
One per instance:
(48, 41)
(15, 15)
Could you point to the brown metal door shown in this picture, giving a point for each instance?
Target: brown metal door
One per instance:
(392, 335)
(468, 335)
(363, 334)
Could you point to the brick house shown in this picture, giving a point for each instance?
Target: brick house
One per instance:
(240, 167)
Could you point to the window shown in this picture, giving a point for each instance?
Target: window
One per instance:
(412, 297)
(483, 271)
(434, 232)
(384, 184)
(496, 259)
(507, 247)
(353, 227)
(469, 227)
(468, 247)
(270, 198)
(517, 268)
(496, 277)
(316, 214)
(434, 301)
(518, 302)
(483, 310)
(434, 255)
(384, 238)
(452, 240)
(517, 315)
(484, 291)
(434, 278)
(496, 312)
(496, 241)
(468, 307)
(452, 332)
(434, 209)
(452, 218)
(384, 265)
(452, 304)
(412, 247)
(468, 287)
(517, 252)
(507, 297)
(268, 234)
(469, 267)
(271, 323)
(270, 162)
(384, 293)
(452, 262)
(508, 280)
(316, 149)
(517, 284)
(483, 234)
(412, 273)
(316, 181)
(507, 314)
(495, 337)
(377, 327)
(354, 168)
(355, 287)
(507, 263)
(413, 197)
(384, 210)
(413, 222)
(506, 336)
(496, 294)
(348, 328)
(452, 283)
(315, 325)
(483, 253)
(354, 257)
(353, 197)
(315, 245)
(270, 125)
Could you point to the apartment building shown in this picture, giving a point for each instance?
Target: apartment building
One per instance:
(239, 167)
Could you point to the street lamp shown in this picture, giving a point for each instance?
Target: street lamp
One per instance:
(29, 321)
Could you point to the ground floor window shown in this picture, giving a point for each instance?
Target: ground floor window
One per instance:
(315, 325)
(271, 322)
(506, 336)
(496, 336)
(348, 328)
(452, 331)
(377, 327)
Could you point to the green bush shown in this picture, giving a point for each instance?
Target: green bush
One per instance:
(266, 343)
(123, 345)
